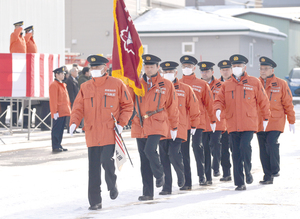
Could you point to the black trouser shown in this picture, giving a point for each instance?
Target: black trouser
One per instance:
(225, 154)
(57, 132)
(170, 152)
(212, 146)
(150, 162)
(269, 152)
(98, 156)
(185, 150)
(198, 152)
(241, 155)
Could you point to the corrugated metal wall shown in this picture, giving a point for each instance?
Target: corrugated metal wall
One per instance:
(47, 16)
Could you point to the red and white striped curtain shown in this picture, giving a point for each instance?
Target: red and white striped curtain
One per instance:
(27, 75)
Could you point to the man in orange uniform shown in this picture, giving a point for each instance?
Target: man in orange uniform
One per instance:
(156, 112)
(169, 150)
(211, 138)
(205, 99)
(17, 41)
(226, 71)
(241, 97)
(281, 106)
(60, 108)
(30, 43)
(96, 100)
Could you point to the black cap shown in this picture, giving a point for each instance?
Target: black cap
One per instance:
(150, 59)
(238, 59)
(60, 70)
(224, 64)
(205, 65)
(188, 60)
(96, 60)
(28, 28)
(168, 65)
(20, 23)
(266, 61)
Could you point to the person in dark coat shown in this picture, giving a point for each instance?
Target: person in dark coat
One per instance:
(86, 75)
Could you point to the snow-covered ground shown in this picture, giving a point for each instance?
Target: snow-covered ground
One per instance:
(34, 183)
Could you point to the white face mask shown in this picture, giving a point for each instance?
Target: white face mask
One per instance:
(187, 71)
(169, 76)
(237, 71)
(96, 73)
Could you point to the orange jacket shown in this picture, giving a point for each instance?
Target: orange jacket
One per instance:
(30, 44)
(157, 124)
(281, 104)
(215, 86)
(59, 99)
(204, 96)
(17, 42)
(95, 101)
(188, 107)
(240, 101)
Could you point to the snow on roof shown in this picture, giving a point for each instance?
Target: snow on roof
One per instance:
(292, 13)
(188, 20)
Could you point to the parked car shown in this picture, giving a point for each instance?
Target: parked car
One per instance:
(293, 81)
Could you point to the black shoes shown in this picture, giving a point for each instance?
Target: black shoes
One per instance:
(145, 198)
(240, 188)
(161, 181)
(164, 193)
(113, 193)
(249, 179)
(217, 174)
(96, 207)
(186, 188)
(226, 178)
(57, 150)
(276, 174)
(266, 182)
(202, 182)
(181, 181)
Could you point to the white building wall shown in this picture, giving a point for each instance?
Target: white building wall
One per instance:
(47, 17)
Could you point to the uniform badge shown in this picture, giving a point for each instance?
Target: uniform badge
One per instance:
(167, 64)
(186, 58)
(224, 63)
(93, 59)
(203, 65)
(236, 58)
(148, 58)
(263, 60)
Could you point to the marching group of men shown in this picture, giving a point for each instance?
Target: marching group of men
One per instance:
(220, 115)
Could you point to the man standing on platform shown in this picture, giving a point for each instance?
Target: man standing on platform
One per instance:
(157, 113)
(17, 41)
(30, 43)
(60, 108)
(281, 106)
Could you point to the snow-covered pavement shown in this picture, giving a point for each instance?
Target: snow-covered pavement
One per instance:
(35, 183)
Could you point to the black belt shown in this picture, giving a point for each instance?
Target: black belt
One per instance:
(151, 113)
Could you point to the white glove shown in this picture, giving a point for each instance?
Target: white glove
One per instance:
(55, 116)
(265, 124)
(193, 131)
(218, 113)
(292, 128)
(72, 129)
(174, 134)
(120, 129)
(213, 126)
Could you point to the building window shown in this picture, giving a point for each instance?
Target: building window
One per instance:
(188, 48)
(251, 55)
(145, 48)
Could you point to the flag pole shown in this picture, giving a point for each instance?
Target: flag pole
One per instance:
(139, 111)
(116, 129)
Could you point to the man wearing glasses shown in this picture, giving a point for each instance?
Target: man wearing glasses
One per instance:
(281, 106)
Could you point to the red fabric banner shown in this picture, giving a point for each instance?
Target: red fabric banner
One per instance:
(127, 49)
